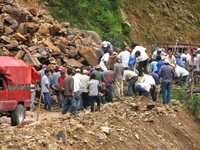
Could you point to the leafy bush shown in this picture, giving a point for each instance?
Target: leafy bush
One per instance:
(102, 16)
(193, 103)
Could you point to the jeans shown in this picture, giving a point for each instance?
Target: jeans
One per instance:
(47, 101)
(141, 90)
(131, 86)
(94, 99)
(166, 92)
(77, 101)
(67, 104)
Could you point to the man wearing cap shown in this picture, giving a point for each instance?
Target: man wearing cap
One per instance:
(166, 74)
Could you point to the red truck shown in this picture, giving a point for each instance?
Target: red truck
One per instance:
(15, 94)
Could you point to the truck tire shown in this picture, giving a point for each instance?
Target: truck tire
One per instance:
(18, 115)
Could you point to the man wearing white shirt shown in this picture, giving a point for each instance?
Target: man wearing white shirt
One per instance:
(45, 84)
(104, 60)
(146, 85)
(181, 73)
(124, 56)
(77, 92)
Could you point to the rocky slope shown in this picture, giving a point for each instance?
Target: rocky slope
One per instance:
(30, 34)
(163, 21)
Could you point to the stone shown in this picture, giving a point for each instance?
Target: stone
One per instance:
(1, 28)
(44, 29)
(18, 36)
(10, 22)
(8, 40)
(28, 27)
(33, 11)
(72, 62)
(94, 36)
(106, 130)
(61, 136)
(62, 43)
(54, 30)
(17, 13)
(8, 30)
(89, 55)
(150, 106)
(51, 46)
(134, 106)
(160, 110)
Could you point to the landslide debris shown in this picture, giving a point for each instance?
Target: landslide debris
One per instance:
(123, 125)
(32, 35)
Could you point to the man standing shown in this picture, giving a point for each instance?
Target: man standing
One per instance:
(118, 77)
(108, 78)
(77, 92)
(124, 56)
(61, 81)
(167, 75)
(68, 92)
(45, 84)
(84, 88)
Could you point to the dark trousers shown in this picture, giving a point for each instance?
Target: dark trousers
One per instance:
(109, 93)
(85, 99)
(142, 66)
(153, 93)
(94, 99)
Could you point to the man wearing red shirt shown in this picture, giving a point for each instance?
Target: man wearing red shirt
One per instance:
(61, 81)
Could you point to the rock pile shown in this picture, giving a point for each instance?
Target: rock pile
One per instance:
(32, 35)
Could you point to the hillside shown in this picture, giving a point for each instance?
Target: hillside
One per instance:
(164, 21)
(126, 20)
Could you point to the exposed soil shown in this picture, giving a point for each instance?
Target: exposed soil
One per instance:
(123, 125)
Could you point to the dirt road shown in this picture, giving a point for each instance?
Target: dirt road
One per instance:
(124, 125)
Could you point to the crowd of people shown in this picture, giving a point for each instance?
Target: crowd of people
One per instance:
(129, 72)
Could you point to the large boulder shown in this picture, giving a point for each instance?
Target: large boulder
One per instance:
(89, 55)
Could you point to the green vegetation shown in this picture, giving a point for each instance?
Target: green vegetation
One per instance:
(193, 103)
(102, 16)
